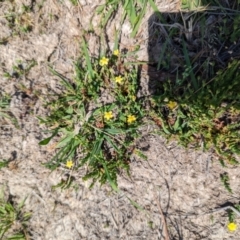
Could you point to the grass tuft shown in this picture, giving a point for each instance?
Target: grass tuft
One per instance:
(13, 221)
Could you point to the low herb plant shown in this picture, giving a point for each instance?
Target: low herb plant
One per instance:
(97, 117)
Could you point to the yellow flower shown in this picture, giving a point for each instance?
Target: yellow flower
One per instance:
(131, 118)
(104, 61)
(108, 115)
(118, 79)
(116, 52)
(69, 163)
(172, 105)
(232, 227)
(133, 98)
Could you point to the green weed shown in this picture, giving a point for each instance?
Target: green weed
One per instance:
(4, 163)
(13, 221)
(96, 131)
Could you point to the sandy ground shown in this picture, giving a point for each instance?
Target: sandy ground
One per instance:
(185, 183)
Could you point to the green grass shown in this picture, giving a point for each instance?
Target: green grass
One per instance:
(13, 221)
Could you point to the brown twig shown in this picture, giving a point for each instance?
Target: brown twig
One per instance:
(165, 229)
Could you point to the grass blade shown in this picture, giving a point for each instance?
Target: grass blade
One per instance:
(88, 61)
(111, 182)
(135, 204)
(187, 59)
(64, 80)
(138, 21)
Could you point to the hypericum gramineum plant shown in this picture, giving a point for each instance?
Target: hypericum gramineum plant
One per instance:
(94, 132)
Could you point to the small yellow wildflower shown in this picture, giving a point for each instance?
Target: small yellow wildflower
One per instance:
(133, 98)
(118, 79)
(232, 227)
(116, 52)
(108, 115)
(104, 61)
(69, 163)
(172, 105)
(131, 119)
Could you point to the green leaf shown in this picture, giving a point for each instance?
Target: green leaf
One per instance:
(111, 143)
(140, 154)
(114, 131)
(225, 180)
(88, 61)
(187, 59)
(138, 20)
(176, 124)
(111, 182)
(156, 11)
(4, 163)
(20, 205)
(100, 9)
(97, 147)
(64, 80)
(17, 236)
(47, 140)
(165, 129)
(107, 17)
(135, 204)
(65, 140)
(70, 110)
